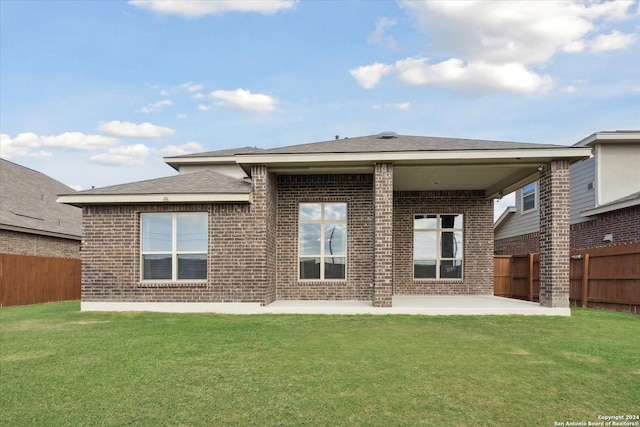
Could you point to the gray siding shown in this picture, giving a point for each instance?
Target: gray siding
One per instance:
(520, 223)
(581, 174)
(581, 196)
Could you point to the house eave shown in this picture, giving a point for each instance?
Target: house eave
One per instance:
(610, 207)
(176, 162)
(117, 199)
(26, 230)
(417, 157)
(507, 213)
(616, 136)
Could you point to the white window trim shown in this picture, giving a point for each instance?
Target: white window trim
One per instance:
(535, 198)
(322, 255)
(173, 252)
(439, 257)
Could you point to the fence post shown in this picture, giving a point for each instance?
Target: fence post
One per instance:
(585, 279)
(530, 257)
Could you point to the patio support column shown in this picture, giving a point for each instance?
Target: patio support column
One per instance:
(383, 249)
(554, 234)
(264, 213)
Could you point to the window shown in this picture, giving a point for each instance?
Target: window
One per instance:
(174, 246)
(529, 197)
(437, 247)
(322, 241)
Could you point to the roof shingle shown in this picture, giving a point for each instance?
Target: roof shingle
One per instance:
(28, 201)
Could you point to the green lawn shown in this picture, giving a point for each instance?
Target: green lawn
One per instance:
(63, 367)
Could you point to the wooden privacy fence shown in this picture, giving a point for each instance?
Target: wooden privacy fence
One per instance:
(31, 279)
(607, 277)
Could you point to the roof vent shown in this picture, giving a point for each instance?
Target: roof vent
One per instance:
(387, 135)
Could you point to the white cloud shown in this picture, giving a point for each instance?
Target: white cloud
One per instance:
(203, 107)
(199, 8)
(24, 144)
(368, 76)
(615, 40)
(133, 130)
(156, 106)
(190, 87)
(125, 155)
(245, 100)
(179, 150)
(394, 106)
(379, 36)
(526, 32)
(493, 45)
(472, 77)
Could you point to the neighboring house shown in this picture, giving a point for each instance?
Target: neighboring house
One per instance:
(361, 218)
(31, 221)
(604, 199)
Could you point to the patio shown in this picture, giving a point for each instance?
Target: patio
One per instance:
(432, 305)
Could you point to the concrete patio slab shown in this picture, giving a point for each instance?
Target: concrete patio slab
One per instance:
(433, 305)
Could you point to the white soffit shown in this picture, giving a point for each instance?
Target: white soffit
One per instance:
(418, 157)
(112, 199)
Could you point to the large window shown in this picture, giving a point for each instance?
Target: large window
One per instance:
(437, 246)
(322, 241)
(529, 197)
(174, 246)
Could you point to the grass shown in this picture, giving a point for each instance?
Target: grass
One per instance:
(64, 367)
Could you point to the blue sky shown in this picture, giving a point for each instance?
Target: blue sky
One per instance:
(95, 93)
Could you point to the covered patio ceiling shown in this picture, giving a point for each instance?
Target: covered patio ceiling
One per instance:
(495, 173)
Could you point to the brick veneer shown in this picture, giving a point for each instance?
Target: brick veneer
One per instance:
(554, 234)
(477, 246)
(357, 192)
(264, 210)
(253, 248)
(383, 235)
(17, 243)
(111, 256)
(623, 224)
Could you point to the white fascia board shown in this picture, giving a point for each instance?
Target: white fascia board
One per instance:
(184, 161)
(620, 136)
(485, 156)
(115, 199)
(612, 207)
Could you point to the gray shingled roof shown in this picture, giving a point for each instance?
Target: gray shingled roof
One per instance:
(223, 153)
(204, 182)
(28, 203)
(373, 143)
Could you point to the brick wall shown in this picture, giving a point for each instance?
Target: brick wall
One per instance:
(519, 245)
(383, 235)
(253, 248)
(357, 192)
(111, 256)
(554, 234)
(624, 224)
(478, 241)
(17, 243)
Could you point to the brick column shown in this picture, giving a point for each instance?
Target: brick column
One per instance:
(383, 249)
(264, 216)
(554, 234)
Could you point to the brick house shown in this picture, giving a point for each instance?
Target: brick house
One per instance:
(362, 218)
(604, 197)
(31, 222)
